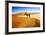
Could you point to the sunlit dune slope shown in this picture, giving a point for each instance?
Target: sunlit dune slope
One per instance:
(20, 20)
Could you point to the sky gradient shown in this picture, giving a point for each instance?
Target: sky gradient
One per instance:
(28, 9)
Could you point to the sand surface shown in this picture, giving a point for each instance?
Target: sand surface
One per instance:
(22, 21)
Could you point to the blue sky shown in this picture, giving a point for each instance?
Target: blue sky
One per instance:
(31, 9)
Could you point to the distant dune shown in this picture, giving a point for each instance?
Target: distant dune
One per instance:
(20, 20)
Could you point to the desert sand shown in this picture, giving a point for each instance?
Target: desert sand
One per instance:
(20, 20)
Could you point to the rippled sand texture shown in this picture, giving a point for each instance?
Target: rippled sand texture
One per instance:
(22, 21)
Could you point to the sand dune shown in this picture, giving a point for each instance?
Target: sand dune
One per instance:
(22, 21)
